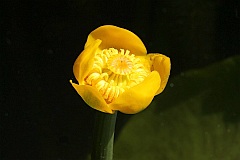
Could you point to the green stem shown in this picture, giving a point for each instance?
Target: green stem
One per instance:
(103, 136)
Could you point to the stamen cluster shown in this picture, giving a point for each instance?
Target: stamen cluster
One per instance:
(115, 71)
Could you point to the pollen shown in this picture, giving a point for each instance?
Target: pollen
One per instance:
(114, 71)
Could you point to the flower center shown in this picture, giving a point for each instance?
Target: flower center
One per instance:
(114, 72)
(120, 64)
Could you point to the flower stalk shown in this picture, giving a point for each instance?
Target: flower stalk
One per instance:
(103, 139)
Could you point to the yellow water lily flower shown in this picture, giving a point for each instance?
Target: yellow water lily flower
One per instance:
(115, 73)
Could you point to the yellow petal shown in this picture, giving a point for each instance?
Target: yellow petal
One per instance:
(119, 38)
(162, 65)
(84, 62)
(92, 97)
(138, 97)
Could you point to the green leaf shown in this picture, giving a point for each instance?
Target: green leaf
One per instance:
(197, 117)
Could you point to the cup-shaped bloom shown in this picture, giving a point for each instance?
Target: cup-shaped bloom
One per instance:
(115, 73)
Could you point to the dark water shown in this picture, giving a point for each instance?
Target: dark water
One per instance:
(41, 115)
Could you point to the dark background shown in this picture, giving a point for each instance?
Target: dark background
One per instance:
(42, 117)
